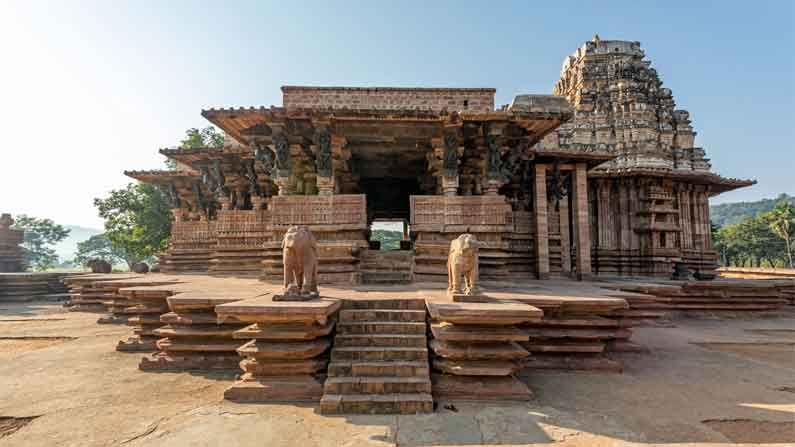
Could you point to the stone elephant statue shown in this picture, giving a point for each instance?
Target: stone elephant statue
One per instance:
(299, 254)
(463, 262)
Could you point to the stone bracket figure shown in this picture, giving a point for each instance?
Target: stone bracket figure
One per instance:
(463, 262)
(299, 255)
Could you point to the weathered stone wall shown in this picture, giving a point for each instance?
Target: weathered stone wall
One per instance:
(11, 257)
(387, 98)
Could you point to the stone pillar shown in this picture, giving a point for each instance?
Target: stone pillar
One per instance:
(324, 149)
(450, 186)
(565, 244)
(178, 214)
(256, 202)
(540, 212)
(582, 235)
(451, 152)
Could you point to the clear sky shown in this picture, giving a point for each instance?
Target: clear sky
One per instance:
(88, 89)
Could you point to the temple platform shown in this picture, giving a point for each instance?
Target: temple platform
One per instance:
(385, 349)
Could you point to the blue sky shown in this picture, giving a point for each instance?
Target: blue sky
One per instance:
(92, 88)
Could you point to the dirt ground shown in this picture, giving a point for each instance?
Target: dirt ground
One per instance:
(706, 381)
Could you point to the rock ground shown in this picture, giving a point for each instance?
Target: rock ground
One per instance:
(705, 382)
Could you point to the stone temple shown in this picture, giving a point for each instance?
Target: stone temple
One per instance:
(603, 177)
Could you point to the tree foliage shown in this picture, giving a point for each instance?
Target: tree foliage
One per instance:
(196, 138)
(732, 213)
(137, 221)
(764, 240)
(206, 137)
(98, 247)
(40, 235)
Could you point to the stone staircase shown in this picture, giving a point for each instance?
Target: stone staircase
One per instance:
(386, 266)
(379, 360)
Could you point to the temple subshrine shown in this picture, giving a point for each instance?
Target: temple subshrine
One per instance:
(600, 178)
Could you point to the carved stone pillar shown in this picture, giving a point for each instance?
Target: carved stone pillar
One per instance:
(178, 214)
(582, 234)
(540, 212)
(493, 150)
(450, 161)
(283, 160)
(324, 165)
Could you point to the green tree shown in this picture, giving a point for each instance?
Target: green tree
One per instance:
(137, 221)
(40, 235)
(98, 247)
(196, 138)
(206, 137)
(782, 223)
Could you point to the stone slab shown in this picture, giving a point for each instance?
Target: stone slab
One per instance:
(298, 350)
(288, 331)
(496, 313)
(459, 332)
(264, 310)
(303, 388)
(475, 368)
(478, 351)
(479, 388)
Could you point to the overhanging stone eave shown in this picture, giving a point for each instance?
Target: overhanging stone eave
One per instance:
(718, 184)
(160, 176)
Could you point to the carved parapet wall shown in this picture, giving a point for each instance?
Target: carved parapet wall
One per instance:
(461, 214)
(191, 246)
(338, 222)
(320, 213)
(240, 235)
(436, 220)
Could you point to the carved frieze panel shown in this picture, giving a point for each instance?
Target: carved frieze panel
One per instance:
(348, 211)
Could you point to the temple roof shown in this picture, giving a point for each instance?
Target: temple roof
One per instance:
(160, 176)
(718, 184)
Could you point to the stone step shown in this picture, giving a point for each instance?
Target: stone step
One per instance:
(372, 369)
(352, 315)
(378, 353)
(385, 277)
(376, 403)
(377, 385)
(381, 327)
(404, 340)
(410, 304)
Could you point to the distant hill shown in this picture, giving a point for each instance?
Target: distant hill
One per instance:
(66, 248)
(731, 213)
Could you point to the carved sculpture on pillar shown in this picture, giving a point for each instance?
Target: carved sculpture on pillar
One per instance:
(282, 162)
(299, 255)
(494, 177)
(250, 174)
(450, 163)
(323, 163)
(264, 155)
(462, 261)
(558, 185)
(201, 206)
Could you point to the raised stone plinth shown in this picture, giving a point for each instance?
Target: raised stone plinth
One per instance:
(286, 349)
(477, 348)
(193, 337)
